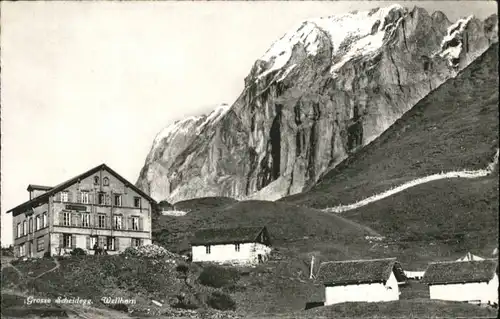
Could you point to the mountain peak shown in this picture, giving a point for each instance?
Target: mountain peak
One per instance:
(320, 93)
(349, 35)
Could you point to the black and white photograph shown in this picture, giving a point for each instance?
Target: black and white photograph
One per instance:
(249, 159)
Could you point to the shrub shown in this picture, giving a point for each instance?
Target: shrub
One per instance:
(234, 288)
(119, 307)
(184, 302)
(221, 301)
(78, 252)
(10, 277)
(217, 277)
(184, 305)
(129, 251)
(182, 268)
(148, 251)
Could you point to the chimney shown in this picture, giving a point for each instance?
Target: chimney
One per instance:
(37, 190)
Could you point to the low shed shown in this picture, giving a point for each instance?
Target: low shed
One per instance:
(361, 280)
(244, 245)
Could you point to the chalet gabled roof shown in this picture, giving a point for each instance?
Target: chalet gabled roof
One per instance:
(452, 272)
(226, 235)
(334, 273)
(43, 198)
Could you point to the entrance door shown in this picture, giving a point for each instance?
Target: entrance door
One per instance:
(30, 248)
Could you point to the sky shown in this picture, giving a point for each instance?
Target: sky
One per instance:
(85, 83)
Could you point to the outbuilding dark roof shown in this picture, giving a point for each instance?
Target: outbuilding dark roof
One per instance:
(453, 272)
(43, 198)
(334, 273)
(227, 235)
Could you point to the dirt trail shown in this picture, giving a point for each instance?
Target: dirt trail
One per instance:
(50, 270)
(422, 180)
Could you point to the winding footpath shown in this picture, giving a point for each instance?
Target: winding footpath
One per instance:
(21, 276)
(422, 180)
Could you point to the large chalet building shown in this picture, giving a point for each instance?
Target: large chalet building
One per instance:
(97, 207)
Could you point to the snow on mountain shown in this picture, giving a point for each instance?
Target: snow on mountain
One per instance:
(184, 126)
(351, 34)
(214, 116)
(178, 127)
(451, 45)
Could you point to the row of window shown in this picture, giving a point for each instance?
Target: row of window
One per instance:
(83, 197)
(105, 181)
(40, 246)
(26, 227)
(93, 242)
(69, 241)
(100, 221)
(208, 248)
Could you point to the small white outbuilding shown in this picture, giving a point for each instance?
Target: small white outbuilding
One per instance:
(474, 281)
(414, 274)
(469, 257)
(371, 280)
(240, 245)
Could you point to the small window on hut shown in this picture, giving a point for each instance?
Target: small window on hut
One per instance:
(207, 249)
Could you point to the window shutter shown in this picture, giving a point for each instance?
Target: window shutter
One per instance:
(73, 241)
(91, 196)
(58, 197)
(61, 218)
(95, 221)
(129, 223)
(117, 241)
(108, 199)
(140, 224)
(74, 216)
(61, 240)
(70, 196)
(141, 242)
(78, 197)
(88, 242)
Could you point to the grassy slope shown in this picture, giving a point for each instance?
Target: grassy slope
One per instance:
(439, 220)
(402, 309)
(291, 227)
(169, 236)
(203, 203)
(296, 233)
(454, 127)
(408, 309)
(93, 277)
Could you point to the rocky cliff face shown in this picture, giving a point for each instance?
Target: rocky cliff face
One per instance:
(320, 93)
